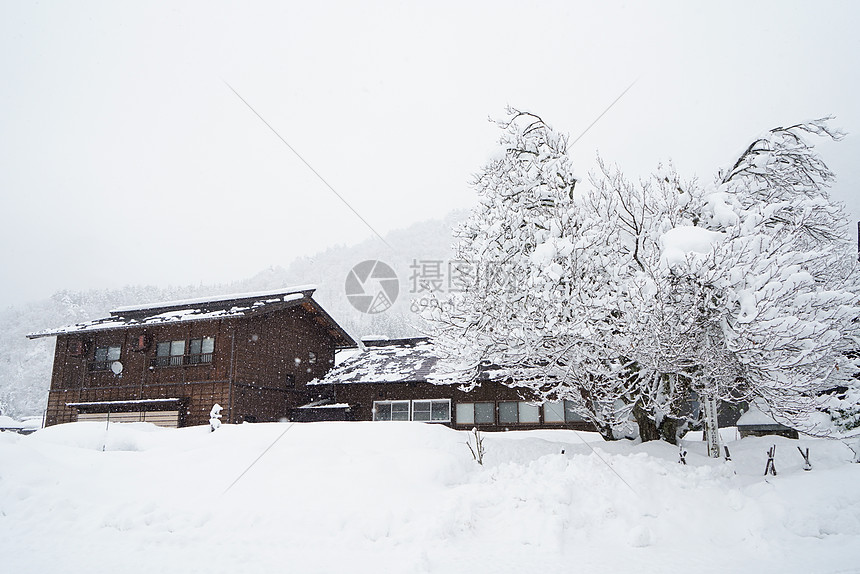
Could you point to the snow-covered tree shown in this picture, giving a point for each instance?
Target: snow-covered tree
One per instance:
(746, 290)
(541, 303)
(666, 319)
(791, 275)
(639, 298)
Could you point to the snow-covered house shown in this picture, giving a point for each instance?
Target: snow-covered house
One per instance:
(390, 381)
(168, 363)
(756, 423)
(27, 426)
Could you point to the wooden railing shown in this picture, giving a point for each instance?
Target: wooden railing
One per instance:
(180, 360)
(99, 366)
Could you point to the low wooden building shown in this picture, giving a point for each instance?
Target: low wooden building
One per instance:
(169, 363)
(389, 381)
(756, 423)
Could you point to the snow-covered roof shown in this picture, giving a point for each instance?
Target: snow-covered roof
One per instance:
(755, 418)
(221, 307)
(325, 405)
(10, 423)
(26, 426)
(214, 299)
(385, 361)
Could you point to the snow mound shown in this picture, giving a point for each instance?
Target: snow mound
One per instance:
(407, 497)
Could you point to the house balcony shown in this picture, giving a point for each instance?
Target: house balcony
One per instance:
(182, 360)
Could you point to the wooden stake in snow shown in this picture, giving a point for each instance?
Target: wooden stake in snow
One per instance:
(806, 464)
(478, 450)
(107, 426)
(856, 448)
(728, 454)
(769, 467)
(682, 454)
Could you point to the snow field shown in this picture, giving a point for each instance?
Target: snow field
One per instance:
(407, 497)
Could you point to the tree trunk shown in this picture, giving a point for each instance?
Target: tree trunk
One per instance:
(606, 432)
(647, 427)
(669, 429)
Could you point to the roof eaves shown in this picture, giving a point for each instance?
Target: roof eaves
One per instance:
(266, 303)
(305, 290)
(334, 328)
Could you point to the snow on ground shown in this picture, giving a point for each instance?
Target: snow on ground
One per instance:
(407, 497)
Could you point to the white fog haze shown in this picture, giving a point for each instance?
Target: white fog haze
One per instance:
(127, 160)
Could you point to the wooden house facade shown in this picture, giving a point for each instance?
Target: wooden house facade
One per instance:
(169, 363)
(390, 381)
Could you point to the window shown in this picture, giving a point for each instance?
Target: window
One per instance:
(172, 353)
(513, 412)
(476, 413)
(169, 353)
(571, 415)
(508, 413)
(485, 413)
(560, 412)
(391, 410)
(553, 412)
(200, 350)
(104, 357)
(312, 358)
(433, 410)
(529, 413)
(428, 410)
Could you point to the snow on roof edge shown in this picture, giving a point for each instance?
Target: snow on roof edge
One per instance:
(755, 417)
(214, 298)
(127, 402)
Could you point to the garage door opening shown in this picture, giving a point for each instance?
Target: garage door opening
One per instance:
(161, 412)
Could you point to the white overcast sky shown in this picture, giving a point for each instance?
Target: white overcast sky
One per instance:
(125, 159)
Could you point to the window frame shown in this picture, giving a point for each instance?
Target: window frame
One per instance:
(109, 357)
(519, 407)
(391, 403)
(557, 421)
(516, 412)
(527, 406)
(432, 403)
(568, 414)
(179, 352)
(472, 406)
(171, 359)
(203, 356)
(410, 412)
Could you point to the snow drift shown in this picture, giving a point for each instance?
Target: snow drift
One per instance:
(406, 497)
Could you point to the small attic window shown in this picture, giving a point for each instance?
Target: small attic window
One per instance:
(312, 357)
